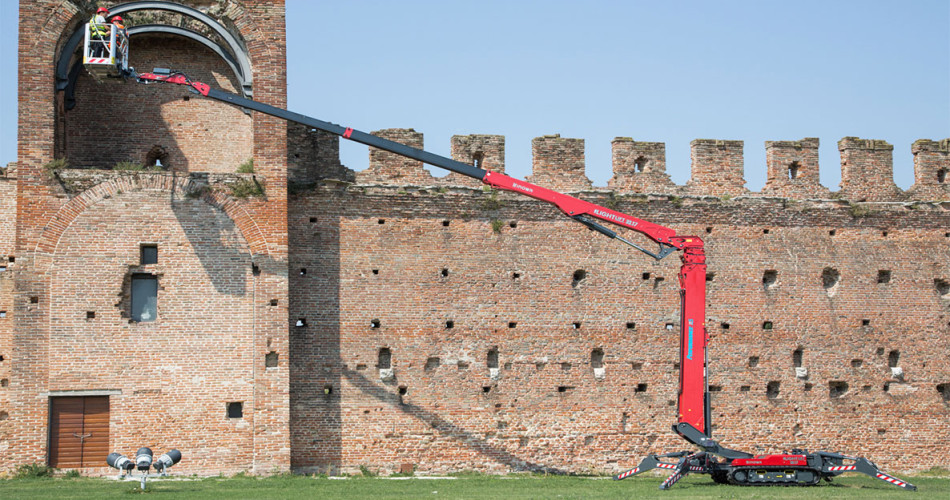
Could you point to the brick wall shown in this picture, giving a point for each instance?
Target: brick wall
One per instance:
(717, 168)
(70, 238)
(639, 167)
(429, 278)
(867, 170)
(931, 170)
(558, 163)
(115, 122)
(793, 169)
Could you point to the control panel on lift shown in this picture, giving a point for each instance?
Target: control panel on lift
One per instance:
(106, 51)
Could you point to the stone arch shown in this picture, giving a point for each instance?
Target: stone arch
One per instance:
(233, 51)
(62, 220)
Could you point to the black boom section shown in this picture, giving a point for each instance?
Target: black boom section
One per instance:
(353, 135)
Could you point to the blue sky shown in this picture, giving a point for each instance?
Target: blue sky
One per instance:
(655, 71)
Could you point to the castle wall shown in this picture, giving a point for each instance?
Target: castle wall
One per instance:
(378, 322)
(493, 342)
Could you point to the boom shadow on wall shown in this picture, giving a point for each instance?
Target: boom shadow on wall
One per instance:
(463, 437)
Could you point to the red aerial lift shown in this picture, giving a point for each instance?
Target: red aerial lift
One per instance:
(797, 468)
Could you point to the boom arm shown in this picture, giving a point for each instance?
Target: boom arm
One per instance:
(694, 410)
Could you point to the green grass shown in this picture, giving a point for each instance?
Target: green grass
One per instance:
(474, 487)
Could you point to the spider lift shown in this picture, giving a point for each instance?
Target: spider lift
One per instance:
(796, 468)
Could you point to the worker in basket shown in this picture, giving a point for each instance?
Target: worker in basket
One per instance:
(99, 33)
(121, 35)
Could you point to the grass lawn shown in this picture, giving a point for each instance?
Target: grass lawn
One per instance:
(488, 487)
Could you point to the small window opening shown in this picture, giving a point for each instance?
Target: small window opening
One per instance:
(446, 223)
(515, 275)
(753, 361)
(797, 357)
(715, 388)
(597, 358)
(12, 259)
(766, 325)
(432, 362)
(710, 276)
(144, 297)
(3, 314)
(303, 271)
(3, 268)
(375, 271)
(492, 358)
(641, 388)
(34, 300)
(745, 388)
(90, 314)
(579, 276)
(313, 220)
(271, 359)
(384, 358)
(301, 322)
(5, 382)
(273, 302)
(943, 287)
(156, 157)
(631, 325)
(830, 277)
(884, 233)
(327, 390)
(765, 231)
(512, 324)
(513, 224)
(148, 254)
(576, 325)
(235, 409)
(375, 323)
(837, 388)
(564, 388)
(450, 324)
(772, 389)
(883, 276)
(462, 365)
(669, 326)
(856, 363)
(865, 322)
(944, 390)
(769, 278)
(639, 165)
(646, 276)
(724, 325)
(403, 390)
(893, 358)
(381, 221)
(708, 229)
(832, 232)
(793, 170)
(941, 176)
(880, 351)
(255, 269)
(477, 159)
(445, 272)
(636, 365)
(566, 366)
(486, 389)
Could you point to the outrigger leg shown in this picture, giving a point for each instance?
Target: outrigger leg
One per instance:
(832, 466)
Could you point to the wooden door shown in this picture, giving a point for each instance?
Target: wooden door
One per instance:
(79, 431)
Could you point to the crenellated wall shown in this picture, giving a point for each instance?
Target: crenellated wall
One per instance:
(364, 319)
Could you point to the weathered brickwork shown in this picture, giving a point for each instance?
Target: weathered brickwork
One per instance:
(931, 169)
(558, 163)
(867, 170)
(639, 167)
(366, 319)
(125, 122)
(716, 168)
(793, 169)
(484, 151)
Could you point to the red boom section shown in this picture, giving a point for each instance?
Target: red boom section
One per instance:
(573, 207)
(693, 404)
